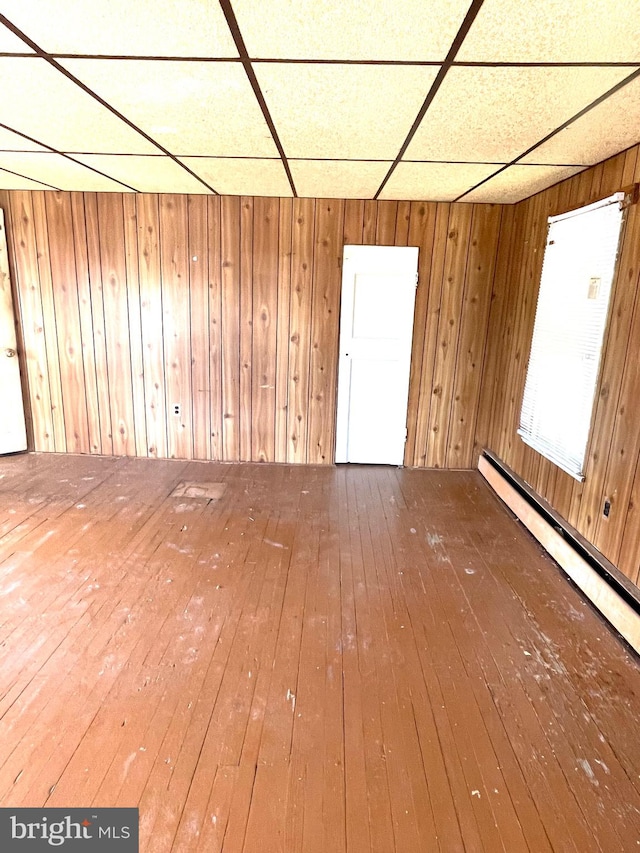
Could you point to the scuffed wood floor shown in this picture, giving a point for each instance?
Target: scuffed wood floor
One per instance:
(324, 660)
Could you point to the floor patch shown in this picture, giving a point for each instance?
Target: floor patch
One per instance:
(209, 491)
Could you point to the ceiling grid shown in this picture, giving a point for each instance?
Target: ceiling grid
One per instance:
(440, 100)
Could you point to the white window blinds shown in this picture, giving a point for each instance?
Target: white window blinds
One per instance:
(577, 274)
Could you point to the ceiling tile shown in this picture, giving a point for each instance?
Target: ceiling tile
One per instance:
(554, 31)
(57, 171)
(10, 43)
(10, 141)
(434, 181)
(518, 182)
(147, 174)
(415, 30)
(41, 102)
(606, 129)
(339, 112)
(11, 181)
(241, 176)
(494, 114)
(123, 27)
(338, 178)
(191, 108)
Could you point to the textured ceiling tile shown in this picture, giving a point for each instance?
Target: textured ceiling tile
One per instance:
(338, 179)
(237, 176)
(10, 141)
(192, 108)
(10, 43)
(606, 129)
(146, 174)
(416, 30)
(57, 171)
(343, 111)
(494, 114)
(41, 102)
(434, 181)
(518, 182)
(124, 27)
(10, 181)
(554, 31)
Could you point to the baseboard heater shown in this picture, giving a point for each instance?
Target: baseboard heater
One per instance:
(608, 589)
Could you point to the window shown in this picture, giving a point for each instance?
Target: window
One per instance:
(577, 274)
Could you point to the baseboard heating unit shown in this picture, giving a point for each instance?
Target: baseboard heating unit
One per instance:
(608, 589)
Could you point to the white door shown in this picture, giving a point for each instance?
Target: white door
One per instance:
(13, 435)
(376, 328)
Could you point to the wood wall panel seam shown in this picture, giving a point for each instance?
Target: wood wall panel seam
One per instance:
(110, 210)
(448, 335)
(49, 318)
(130, 218)
(403, 218)
(81, 259)
(246, 326)
(284, 290)
(450, 444)
(67, 320)
(230, 331)
(299, 333)
(266, 224)
(174, 241)
(324, 330)
(98, 316)
(369, 223)
(422, 225)
(214, 244)
(386, 223)
(430, 346)
(200, 324)
(353, 222)
(151, 322)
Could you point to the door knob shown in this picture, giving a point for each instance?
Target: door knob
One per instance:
(10, 353)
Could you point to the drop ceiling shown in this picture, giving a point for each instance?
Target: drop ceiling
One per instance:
(488, 101)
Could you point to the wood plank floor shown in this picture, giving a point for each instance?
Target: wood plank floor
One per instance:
(323, 660)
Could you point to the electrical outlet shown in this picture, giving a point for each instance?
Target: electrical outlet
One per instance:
(177, 410)
(606, 509)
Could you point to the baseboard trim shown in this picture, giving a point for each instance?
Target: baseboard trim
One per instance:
(619, 612)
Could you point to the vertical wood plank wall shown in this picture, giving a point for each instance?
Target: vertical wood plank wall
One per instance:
(230, 308)
(613, 456)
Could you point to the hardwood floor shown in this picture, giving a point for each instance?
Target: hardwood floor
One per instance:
(323, 660)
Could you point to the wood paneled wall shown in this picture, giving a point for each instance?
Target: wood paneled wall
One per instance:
(230, 307)
(613, 462)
